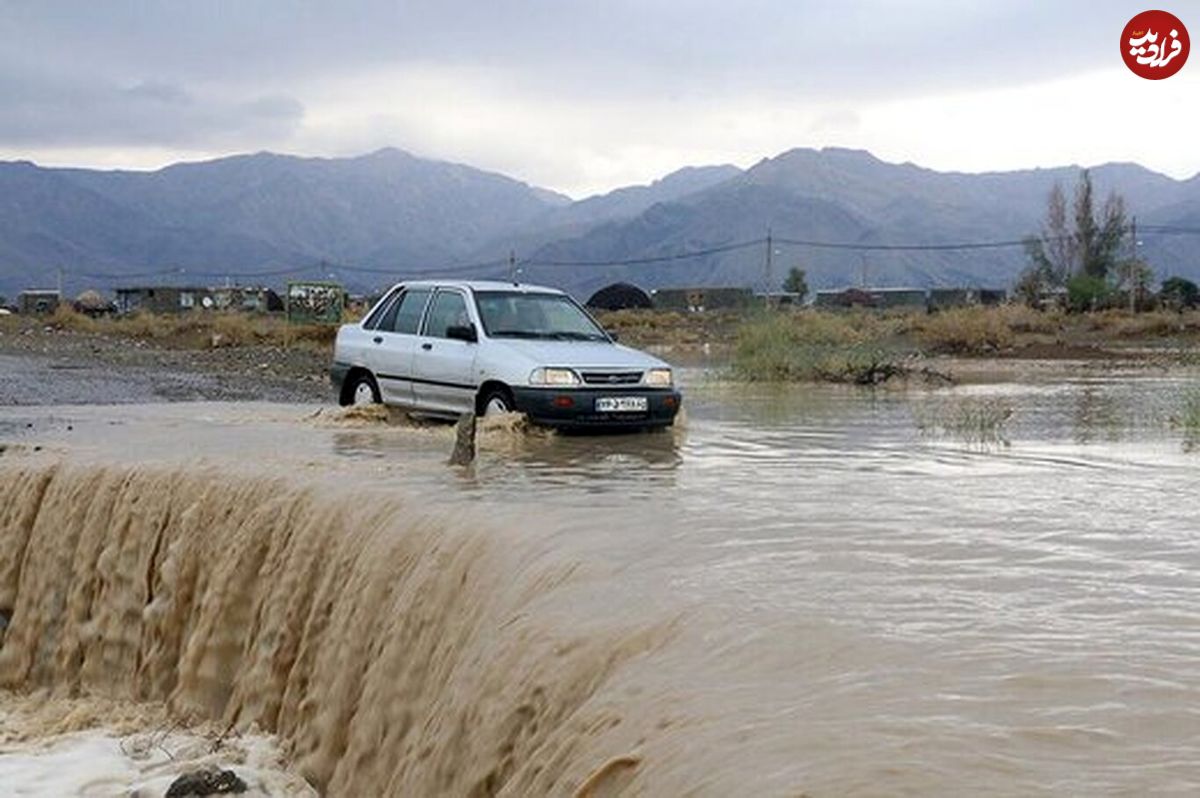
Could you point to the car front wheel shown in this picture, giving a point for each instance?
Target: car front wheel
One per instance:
(496, 401)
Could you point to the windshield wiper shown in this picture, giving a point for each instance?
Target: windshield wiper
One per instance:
(571, 335)
(517, 334)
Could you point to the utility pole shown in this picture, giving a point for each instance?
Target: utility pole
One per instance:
(512, 267)
(770, 250)
(60, 293)
(1133, 267)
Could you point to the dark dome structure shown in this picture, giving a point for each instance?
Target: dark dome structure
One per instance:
(620, 296)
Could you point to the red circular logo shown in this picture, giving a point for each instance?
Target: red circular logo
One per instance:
(1155, 45)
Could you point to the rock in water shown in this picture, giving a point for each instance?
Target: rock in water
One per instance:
(206, 782)
(464, 440)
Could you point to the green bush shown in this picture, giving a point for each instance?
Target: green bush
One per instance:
(1179, 293)
(1086, 293)
(806, 347)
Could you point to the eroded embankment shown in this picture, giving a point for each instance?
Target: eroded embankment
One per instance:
(393, 650)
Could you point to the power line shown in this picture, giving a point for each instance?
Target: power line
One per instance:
(500, 264)
(698, 253)
(1170, 230)
(966, 245)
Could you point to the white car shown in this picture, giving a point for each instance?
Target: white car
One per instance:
(446, 348)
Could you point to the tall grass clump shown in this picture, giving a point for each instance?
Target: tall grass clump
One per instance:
(965, 331)
(805, 347)
(1189, 421)
(66, 317)
(1190, 418)
(974, 422)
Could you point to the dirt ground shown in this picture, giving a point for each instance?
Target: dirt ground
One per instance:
(67, 359)
(43, 365)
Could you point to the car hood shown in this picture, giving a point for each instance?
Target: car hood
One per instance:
(581, 354)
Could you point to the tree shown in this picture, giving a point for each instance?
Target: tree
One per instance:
(796, 283)
(1081, 243)
(1086, 293)
(1180, 293)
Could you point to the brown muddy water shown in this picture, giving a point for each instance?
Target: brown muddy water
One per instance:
(986, 589)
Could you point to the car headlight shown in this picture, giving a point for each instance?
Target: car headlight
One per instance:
(549, 376)
(659, 378)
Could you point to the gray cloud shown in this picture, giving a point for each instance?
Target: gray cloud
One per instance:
(608, 47)
(48, 112)
(568, 92)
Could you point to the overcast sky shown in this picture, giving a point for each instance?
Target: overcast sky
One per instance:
(587, 95)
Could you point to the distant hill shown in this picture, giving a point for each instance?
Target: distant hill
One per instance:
(838, 195)
(371, 219)
(249, 213)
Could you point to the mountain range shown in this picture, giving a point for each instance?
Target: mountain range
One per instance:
(376, 218)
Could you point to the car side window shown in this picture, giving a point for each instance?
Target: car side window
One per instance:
(449, 309)
(388, 317)
(407, 317)
(376, 318)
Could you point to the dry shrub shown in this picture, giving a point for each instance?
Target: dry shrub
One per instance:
(1156, 323)
(323, 334)
(1024, 319)
(975, 330)
(199, 329)
(66, 317)
(648, 326)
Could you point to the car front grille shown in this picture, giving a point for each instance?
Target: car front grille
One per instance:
(612, 377)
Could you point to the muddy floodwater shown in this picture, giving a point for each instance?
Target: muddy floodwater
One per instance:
(992, 588)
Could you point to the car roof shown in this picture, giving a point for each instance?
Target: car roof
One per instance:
(479, 285)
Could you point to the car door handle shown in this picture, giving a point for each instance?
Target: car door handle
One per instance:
(378, 339)
(427, 347)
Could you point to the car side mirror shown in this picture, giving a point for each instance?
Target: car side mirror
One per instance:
(463, 332)
(614, 337)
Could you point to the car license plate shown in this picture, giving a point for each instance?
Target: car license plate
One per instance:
(622, 404)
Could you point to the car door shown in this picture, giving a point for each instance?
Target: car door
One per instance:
(443, 367)
(393, 344)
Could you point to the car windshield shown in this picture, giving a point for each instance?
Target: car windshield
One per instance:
(515, 314)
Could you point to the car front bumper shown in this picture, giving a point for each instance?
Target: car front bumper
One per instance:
(337, 375)
(575, 408)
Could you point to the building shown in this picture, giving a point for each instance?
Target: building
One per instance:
(37, 301)
(843, 298)
(620, 296)
(164, 299)
(901, 298)
(700, 299)
(91, 303)
(251, 299)
(779, 298)
(180, 299)
(945, 298)
(909, 298)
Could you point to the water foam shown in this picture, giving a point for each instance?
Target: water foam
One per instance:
(393, 649)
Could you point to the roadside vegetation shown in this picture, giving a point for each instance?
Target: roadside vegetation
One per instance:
(783, 344)
(817, 346)
(867, 348)
(195, 330)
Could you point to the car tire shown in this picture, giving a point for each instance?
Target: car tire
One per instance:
(496, 400)
(362, 390)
